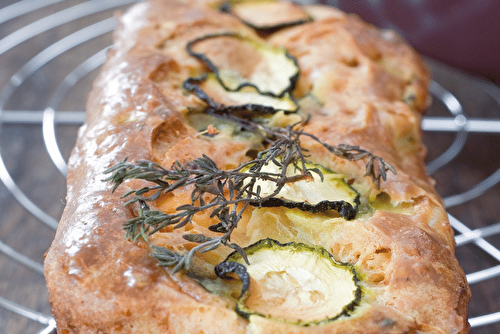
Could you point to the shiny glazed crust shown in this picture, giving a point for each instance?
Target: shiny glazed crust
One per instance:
(372, 88)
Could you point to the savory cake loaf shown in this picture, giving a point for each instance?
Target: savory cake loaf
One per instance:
(254, 167)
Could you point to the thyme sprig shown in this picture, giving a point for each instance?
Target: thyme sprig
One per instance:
(224, 193)
(376, 167)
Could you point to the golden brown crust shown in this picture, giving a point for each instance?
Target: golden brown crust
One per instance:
(101, 283)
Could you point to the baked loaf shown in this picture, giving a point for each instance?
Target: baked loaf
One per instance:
(164, 95)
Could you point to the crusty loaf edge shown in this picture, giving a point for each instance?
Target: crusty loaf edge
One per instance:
(99, 282)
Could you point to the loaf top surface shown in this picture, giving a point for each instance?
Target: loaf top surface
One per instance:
(358, 85)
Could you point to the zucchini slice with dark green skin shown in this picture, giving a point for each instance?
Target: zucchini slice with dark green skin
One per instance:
(246, 102)
(328, 191)
(293, 282)
(267, 16)
(239, 61)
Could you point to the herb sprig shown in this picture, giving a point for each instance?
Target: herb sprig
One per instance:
(224, 193)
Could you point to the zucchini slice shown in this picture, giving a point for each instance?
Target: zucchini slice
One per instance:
(328, 191)
(238, 61)
(294, 282)
(267, 16)
(247, 101)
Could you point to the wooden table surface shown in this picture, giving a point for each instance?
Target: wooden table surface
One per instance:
(26, 159)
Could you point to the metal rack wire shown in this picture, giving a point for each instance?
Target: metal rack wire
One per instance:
(88, 24)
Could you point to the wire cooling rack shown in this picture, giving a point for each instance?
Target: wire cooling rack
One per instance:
(50, 51)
